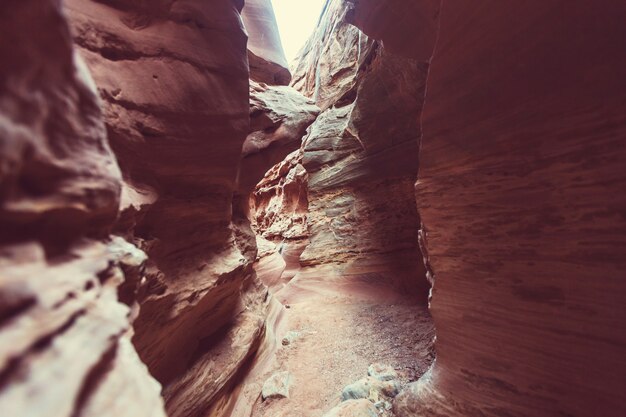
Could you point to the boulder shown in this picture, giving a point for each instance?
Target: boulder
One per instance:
(370, 388)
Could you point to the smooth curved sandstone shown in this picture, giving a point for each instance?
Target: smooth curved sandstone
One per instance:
(265, 50)
(406, 27)
(194, 145)
(521, 193)
(59, 179)
(174, 80)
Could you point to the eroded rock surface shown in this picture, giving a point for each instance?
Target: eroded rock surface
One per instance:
(279, 118)
(277, 386)
(280, 205)
(65, 334)
(353, 408)
(126, 255)
(174, 80)
(360, 153)
(521, 192)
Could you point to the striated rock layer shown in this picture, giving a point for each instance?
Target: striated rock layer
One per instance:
(279, 206)
(64, 334)
(174, 80)
(279, 118)
(361, 153)
(521, 190)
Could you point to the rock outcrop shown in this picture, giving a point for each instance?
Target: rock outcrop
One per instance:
(279, 207)
(521, 191)
(65, 336)
(353, 408)
(174, 80)
(277, 386)
(279, 118)
(361, 153)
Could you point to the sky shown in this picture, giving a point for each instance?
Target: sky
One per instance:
(296, 21)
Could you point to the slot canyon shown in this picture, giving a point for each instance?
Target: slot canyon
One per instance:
(424, 215)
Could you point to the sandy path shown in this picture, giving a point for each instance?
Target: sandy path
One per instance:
(342, 329)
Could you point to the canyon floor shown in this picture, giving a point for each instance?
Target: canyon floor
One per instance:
(329, 331)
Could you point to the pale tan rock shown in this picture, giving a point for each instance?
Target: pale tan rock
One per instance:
(382, 372)
(371, 388)
(277, 386)
(353, 408)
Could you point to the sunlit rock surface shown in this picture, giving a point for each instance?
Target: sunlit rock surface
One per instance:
(361, 152)
(265, 51)
(279, 117)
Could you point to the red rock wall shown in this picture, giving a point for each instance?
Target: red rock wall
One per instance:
(361, 153)
(521, 190)
(279, 208)
(174, 80)
(65, 345)
(279, 118)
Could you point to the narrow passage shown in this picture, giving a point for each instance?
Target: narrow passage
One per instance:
(330, 330)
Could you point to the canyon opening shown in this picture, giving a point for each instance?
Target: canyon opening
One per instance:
(418, 211)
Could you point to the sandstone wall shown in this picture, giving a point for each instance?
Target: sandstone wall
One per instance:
(521, 191)
(65, 345)
(361, 153)
(174, 80)
(279, 118)
(265, 51)
(520, 185)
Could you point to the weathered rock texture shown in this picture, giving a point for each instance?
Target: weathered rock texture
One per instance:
(279, 117)
(276, 199)
(64, 335)
(361, 152)
(279, 207)
(280, 202)
(174, 80)
(521, 190)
